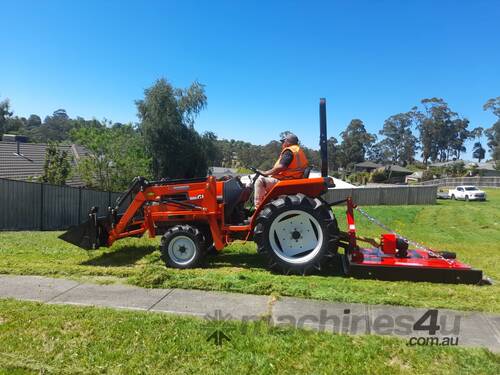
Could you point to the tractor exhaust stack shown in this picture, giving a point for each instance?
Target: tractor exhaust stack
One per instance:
(322, 138)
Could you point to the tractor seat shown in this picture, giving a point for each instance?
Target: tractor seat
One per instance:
(234, 192)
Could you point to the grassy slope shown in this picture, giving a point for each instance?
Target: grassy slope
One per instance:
(471, 229)
(38, 338)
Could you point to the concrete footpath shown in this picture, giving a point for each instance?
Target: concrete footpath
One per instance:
(418, 326)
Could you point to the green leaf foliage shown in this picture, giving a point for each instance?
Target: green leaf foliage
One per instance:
(116, 155)
(57, 166)
(167, 122)
(493, 133)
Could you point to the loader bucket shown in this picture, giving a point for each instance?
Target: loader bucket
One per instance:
(89, 235)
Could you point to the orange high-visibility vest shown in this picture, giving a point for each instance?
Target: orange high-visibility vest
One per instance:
(297, 166)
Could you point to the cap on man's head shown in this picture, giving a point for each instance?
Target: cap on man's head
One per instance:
(290, 138)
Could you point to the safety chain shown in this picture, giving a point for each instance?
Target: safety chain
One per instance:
(414, 243)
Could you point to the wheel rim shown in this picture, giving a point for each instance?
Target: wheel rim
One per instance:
(296, 236)
(182, 250)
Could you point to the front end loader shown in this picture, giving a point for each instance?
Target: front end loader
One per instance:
(294, 227)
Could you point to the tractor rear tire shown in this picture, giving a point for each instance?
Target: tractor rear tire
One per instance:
(298, 234)
(182, 246)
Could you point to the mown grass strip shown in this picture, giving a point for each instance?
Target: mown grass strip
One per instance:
(472, 229)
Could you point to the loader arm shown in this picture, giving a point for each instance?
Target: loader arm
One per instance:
(127, 226)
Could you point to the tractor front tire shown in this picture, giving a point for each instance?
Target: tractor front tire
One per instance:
(298, 234)
(182, 246)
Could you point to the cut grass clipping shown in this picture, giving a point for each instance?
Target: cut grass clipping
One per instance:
(37, 338)
(471, 229)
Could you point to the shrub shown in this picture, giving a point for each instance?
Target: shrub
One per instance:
(427, 175)
(378, 176)
(359, 178)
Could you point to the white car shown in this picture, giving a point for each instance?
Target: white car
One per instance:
(467, 192)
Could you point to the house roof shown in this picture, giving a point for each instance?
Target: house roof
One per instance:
(487, 166)
(371, 164)
(451, 162)
(368, 164)
(29, 162)
(398, 168)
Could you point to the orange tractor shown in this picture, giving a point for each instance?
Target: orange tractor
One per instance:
(294, 227)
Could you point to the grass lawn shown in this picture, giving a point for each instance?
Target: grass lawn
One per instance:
(36, 339)
(472, 229)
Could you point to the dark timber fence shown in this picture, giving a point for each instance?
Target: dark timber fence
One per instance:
(37, 206)
(454, 181)
(398, 195)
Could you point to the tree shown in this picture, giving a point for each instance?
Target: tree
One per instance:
(191, 102)
(5, 113)
(57, 166)
(477, 132)
(399, 144)
(167, 122)
(269, 154)
(493, 133)
(116, 155)
(212, 152)
(457, 136)
(456, 169)
(442, 133)
(478, 152)
(493, 105)
(15, 125)
(333, 154)
(237, 154)
(380, 152)
(55, 128)
(356, 141)
(60, 114)
(8, 123)
(313, 157)
(34, 121)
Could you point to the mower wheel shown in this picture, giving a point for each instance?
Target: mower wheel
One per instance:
(182, 246)
(298, 234)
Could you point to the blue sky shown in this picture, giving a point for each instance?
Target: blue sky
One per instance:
(265, 64)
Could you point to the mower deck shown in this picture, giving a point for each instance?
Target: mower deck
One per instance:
(392, 260)
(419, 265)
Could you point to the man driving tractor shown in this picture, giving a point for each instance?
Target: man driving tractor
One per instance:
(291, 164)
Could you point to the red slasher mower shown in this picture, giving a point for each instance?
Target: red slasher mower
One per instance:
(294, 227)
